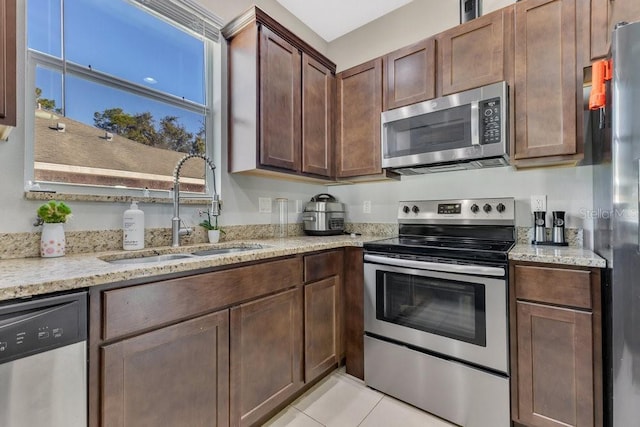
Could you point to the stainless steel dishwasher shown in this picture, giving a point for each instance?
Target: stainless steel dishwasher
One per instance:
(43, 362)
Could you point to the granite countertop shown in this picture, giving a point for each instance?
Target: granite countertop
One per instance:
(25, 277)
(556, 255)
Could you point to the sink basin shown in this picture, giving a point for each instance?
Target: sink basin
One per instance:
(151, 258)
(223, 251)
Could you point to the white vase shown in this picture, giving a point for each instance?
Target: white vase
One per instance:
(214, 236)
(52, 241)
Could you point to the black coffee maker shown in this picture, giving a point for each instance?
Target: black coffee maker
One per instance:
(558, 227)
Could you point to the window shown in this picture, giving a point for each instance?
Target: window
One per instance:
(120, 91)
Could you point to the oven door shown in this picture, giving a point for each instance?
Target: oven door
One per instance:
(453, 310)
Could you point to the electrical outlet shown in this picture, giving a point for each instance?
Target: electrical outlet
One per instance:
(298, 206)
(538, 203)
(264, 204)
(366, 207)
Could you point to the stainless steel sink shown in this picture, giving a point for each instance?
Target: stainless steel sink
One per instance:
(223, 251)
(150, 259)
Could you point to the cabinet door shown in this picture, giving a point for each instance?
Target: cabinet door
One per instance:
(279, 102)
(7, 63)
(266, 355)
(318, 93)
(358, 120)
(545, 78)
(321, 326)
(555, 366)
(605, 14)
(410, 75)
(174, 376)
(474, 54)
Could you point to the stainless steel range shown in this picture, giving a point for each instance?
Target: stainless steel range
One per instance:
(436, 309)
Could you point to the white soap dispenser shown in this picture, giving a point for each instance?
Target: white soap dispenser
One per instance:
(133, 228)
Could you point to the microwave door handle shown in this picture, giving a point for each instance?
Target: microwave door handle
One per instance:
(436, 266)
(475, 124)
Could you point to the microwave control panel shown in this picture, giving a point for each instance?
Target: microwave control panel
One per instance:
(490, 126)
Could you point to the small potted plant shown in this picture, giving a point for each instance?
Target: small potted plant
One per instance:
(213, 230)
(52, 215)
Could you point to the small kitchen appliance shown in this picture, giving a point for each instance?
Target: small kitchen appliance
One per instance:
(540, 227)
(323, 216)
(558, 227)
(436, 309)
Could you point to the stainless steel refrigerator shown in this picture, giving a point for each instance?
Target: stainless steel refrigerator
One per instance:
(616, 233)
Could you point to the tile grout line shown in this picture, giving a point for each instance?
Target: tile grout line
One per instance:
(369, 413)
(307, 415)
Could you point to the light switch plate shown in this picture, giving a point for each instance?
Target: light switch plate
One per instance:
(264, 204)
(298, 206)
(366, 207)
(539, 203)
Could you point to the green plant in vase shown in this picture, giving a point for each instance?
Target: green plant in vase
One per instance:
(213, 230)
(52, 215)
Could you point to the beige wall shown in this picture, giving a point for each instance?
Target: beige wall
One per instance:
(227, 10)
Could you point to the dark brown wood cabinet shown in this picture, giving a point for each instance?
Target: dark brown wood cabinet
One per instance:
(556, 360)
(359, 105)
(266, 355)
(546, 82)
(409, 74)
(7, 66)
(318, 97)
(354, 311)
(176, 375)
(322, 312)
(476, 53)
(605, 14)
(281, 95)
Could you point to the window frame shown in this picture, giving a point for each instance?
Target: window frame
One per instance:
(212, 113)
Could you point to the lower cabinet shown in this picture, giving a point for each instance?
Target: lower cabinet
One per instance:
(266, 355)
(173, 376)
(556, 372)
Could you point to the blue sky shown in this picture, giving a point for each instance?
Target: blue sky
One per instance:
(119, 39)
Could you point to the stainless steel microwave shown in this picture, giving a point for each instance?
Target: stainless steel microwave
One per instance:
(465, 130)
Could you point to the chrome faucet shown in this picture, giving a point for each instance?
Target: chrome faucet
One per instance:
(176, 229)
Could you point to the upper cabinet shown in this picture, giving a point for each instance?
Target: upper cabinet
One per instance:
(281, 95)
(546, 82)
(7, 67)
(409, 75)
(605, 14)
(476, 53)
(359, 106)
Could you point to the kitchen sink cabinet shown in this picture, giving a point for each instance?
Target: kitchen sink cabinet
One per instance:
(359, 99)
(7, 67)
(476, 53)
(176, 375)
(547, 88)
(604, 15)
(281, 95)
(556, 357)
(266, 355)
(323, 346)
(409, 74)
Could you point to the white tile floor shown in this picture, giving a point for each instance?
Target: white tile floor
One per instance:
(341, 400)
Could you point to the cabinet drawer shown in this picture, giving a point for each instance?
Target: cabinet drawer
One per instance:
(138, 308)
(325, 264)
(554, 286)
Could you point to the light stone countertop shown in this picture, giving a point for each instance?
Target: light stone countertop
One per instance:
(556, 255)
(25, 277)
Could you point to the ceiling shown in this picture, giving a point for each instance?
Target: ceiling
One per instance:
(331, 19)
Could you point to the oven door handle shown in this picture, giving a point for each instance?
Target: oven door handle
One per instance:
(437, 266)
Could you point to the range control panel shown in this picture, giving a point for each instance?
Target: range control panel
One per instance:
(490, 121)
(499, 211)
(35, 326)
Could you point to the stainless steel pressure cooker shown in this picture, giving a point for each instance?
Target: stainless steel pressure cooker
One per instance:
(323, 216)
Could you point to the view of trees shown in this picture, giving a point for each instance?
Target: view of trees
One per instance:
(170, 134)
